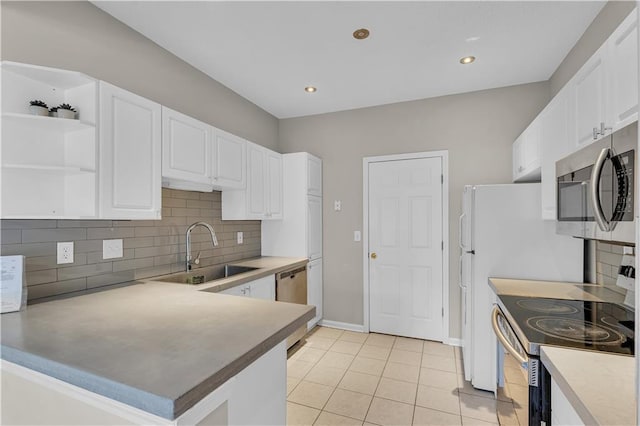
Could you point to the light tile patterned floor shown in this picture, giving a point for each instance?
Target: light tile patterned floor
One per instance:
(344, 378)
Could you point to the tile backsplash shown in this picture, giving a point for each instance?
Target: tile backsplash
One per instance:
(151, 247)
(608, 259)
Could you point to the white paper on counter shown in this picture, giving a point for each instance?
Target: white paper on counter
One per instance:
(13, 293)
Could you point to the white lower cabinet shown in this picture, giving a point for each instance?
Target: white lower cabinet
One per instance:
(263, 288)
(130, 155)
(314, 290)
(256, 395)
(562, 412)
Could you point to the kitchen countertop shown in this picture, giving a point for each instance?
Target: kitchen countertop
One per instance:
(554, 290)
(157, 346)
(267, 265)
(603, 396)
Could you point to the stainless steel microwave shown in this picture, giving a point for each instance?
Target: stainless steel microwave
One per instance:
(595, 189)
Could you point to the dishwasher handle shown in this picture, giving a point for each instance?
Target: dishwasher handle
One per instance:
(291, 273)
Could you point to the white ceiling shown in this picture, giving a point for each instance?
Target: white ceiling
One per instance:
(269, 51)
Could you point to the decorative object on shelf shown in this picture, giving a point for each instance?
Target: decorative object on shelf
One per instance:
(66, 111)
(38, 108)
(53, 112)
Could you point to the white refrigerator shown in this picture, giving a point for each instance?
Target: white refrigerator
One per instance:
(299, 233)
(503, 235)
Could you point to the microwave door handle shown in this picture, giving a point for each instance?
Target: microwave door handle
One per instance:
(603, 224)
(505, 342)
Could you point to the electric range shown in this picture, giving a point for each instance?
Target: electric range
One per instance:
(523, 324)
(577, 324)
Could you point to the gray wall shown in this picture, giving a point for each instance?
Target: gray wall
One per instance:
(78, 36)
(476, 128)
(151, 247)
(611, 15)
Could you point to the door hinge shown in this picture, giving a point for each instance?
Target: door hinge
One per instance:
(441, 178)
(442, 311)
(442, 245)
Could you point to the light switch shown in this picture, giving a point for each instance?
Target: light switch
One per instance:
(240, 237)
(112, 249)
(337, 205)
(357, 236)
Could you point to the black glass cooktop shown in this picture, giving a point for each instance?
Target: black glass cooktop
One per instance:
(579, 324)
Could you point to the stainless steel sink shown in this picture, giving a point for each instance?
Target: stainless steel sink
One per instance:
(204, 275)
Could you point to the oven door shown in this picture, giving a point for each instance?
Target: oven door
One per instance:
(538, 377)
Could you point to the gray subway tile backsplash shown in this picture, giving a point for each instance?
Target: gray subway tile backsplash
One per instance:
(151, 248)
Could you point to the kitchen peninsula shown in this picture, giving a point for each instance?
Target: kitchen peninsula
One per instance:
(176, 354)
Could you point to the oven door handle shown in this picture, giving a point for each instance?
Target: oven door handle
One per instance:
(505, 342)
(603, 223)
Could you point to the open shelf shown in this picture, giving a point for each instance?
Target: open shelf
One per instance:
(49, 123)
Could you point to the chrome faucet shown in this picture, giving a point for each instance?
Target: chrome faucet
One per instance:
(214, 239)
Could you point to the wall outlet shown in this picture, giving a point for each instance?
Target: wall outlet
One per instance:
(240, 237)
(111, 249)
(337, 205)
(357, 236)
(65, 252)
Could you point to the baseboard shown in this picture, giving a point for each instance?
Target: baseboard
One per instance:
(453, 341)
(342, 325)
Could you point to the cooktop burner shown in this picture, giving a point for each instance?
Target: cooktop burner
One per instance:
(580, 324)
(576, 330)
(547, 306)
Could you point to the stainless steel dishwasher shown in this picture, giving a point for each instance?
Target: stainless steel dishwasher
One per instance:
(291, 286)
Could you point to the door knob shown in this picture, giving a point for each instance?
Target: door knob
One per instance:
(373, 255)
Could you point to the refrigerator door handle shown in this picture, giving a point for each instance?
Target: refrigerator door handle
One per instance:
(460, 231)
(460, 273)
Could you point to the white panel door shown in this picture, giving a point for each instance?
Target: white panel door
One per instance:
(405, 246)
(623, 73)
(314, 227)
(256, 202)
(186, 147)
(314, 290)
(130, 155)
(229, 161)
(589, 98)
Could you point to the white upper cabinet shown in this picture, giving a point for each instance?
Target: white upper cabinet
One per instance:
(262, 197)
(588, 87)
(314, 176)
(186, 151)
(48, 163)
(229, 160)
(526, 155)
(130, 155)
(198, 157)
(555, 139)
(623, 81)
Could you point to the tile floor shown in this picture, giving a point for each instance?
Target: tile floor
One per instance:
(344, 378)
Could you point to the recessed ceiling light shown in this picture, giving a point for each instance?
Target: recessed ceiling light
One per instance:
(473, 39)
(361, 34)
(467, 60)
(310, 89)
